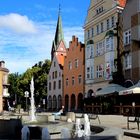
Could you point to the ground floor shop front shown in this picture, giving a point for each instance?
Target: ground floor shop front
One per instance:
(113, 104)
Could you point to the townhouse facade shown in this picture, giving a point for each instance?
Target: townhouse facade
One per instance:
(55, 77)
(74, 71)
(100, 43)
(3, 84)
(131, 40)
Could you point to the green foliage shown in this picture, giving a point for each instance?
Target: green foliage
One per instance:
(21, 83)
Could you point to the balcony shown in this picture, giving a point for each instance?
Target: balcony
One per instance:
(135, 27)
(136, 33)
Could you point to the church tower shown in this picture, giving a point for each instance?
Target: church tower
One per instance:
(59, 39)
(55, 76)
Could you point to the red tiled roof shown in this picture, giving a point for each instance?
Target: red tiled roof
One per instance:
(122, 3)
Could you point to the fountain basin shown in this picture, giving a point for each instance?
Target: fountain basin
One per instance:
(98, 132)
(11, 129)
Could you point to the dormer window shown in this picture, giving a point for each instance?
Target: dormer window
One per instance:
(99, 10)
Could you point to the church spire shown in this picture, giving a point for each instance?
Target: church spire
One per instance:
(59, 31)
(58, 35)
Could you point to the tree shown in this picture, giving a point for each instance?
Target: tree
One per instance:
(21, 83)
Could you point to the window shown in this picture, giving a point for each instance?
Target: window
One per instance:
(88, 75)
(113, 21)
(99, 71)
(54, 85)
(97, 29)
(87, 51)
(88, 69)
(73, 81)
(100, 48)
(79, 79)
(54, 64)
(91, 56)
(59, 74)
(107, 24)
(49, 77)
(88, 34)
(108, 71)
(88, 72)
(49, 85)
(109, 44)
(76, 63)
(70, 65)
(127, 61)
(127, 37)
(92, 72)
(99, 10)
(59, 84)
(102, 27)
(55, 74)
(92, 32)
(67, 82)
(97, 49)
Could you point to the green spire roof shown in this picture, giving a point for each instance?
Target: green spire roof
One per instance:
(59, 32)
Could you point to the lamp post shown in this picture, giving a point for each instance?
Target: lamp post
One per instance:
(26, 96)
(44, 102)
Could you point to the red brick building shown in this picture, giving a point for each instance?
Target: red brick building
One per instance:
(74, 69)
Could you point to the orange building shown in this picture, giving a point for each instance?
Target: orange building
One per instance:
(74, 69)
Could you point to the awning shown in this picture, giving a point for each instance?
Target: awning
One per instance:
(110, 89)
(131, 90)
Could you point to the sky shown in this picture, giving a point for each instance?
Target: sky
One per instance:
(27, 29)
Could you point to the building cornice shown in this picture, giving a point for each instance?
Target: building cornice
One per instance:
(104, 14)
(4, 69)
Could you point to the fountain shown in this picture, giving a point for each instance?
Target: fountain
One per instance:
(78, 132)
(87, 131)
(33, 117)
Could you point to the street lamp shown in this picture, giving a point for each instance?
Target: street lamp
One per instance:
(26, 96)
(44, 102)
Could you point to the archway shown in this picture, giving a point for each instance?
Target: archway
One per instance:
(50, 102)
(66, 102)
(80, 101)
(90, 93)
(73, 102)
(59, 102)
(54, 103)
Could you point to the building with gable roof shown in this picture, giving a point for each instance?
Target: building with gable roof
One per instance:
(55, 81)
(74, 75)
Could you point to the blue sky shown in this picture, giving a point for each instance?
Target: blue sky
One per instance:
(27, 29)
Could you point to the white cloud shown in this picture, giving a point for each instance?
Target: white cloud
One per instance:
(17, 23)
(21, 52)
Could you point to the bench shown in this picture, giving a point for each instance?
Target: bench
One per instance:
(94, 117)
(133, 119)
(91, 116)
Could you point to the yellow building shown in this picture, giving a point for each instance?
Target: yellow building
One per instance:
(101, 43)
(3, 83)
